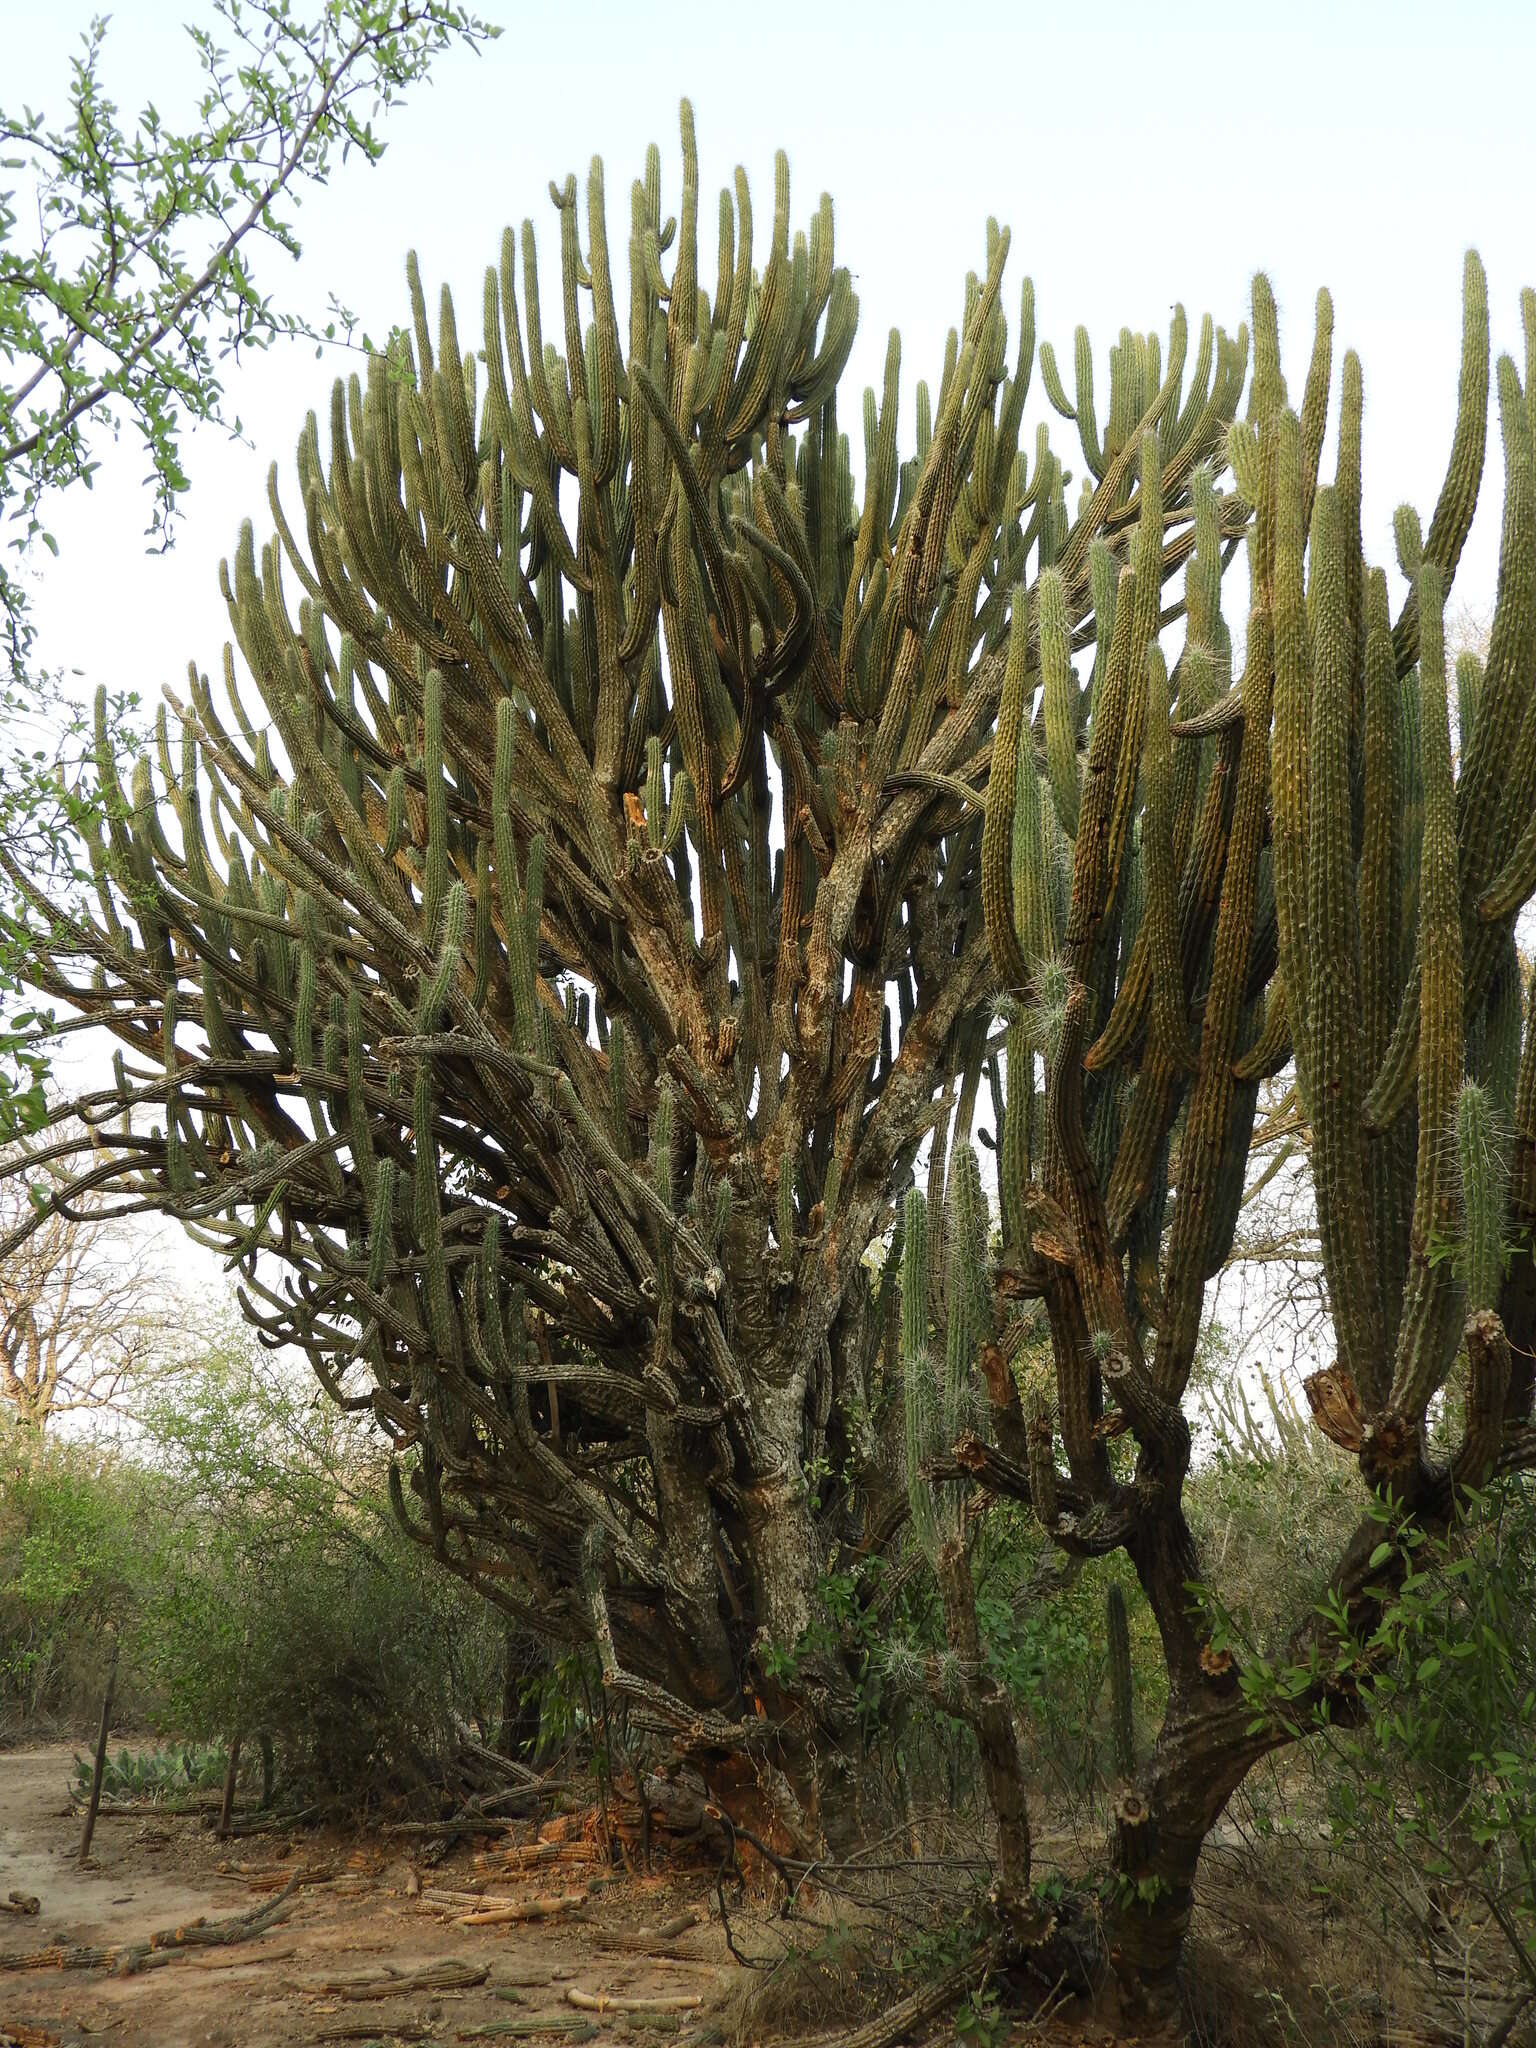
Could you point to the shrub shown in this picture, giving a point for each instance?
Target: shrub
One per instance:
(72, 1534)
(283, 1596)
(243, 1545)
(1435, 1789)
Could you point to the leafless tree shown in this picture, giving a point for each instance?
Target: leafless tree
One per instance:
(85, 1316)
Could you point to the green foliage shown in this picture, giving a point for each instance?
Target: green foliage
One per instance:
(131, 280)
(246, 1553)
(72, 1537)
(1431, 1783)
(1445, 1759)
(283, 1596)
(981, 2021)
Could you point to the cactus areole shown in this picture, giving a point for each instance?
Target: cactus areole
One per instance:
(618, 848)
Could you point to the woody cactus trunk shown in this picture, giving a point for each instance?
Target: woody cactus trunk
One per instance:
(651, 837)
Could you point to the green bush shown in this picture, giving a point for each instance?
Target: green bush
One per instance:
(1438, 1782)
(243, 1545)
(73, 1531)
(284, 1597)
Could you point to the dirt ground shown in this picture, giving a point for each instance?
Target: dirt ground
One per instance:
(364, 1907)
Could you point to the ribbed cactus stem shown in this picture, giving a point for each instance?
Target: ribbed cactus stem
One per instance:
(662, 1126)
(920, 1392)
(967, 1310)
(1060, 697)
(1013, 1157)
(1483, 1189)
(999, 828)
(1117, 1632)
(1427, 1337)
(437, 985)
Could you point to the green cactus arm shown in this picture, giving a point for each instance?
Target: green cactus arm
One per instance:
(1495, 768)
(1055, 390)
(1484, 1186)
(1153, 975)
(1451, 521)
(1156, 1097)
(1082, 411)
(1060, 699)
(1204, 1144)
(1096, 864)
(1335, 1055)
(1292, 742)
(1314, 404)
(967, 1301)
(1161, 921)
(1117, 1636)
(1431, 1312)
(1390, 1163)
(998, 827)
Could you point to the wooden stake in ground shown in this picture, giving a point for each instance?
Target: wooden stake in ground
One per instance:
(101, 1753)
(226, 1804)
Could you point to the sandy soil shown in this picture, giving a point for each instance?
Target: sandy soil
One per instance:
(363, 1908)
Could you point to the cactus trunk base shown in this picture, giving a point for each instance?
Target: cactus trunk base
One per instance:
(1161, 1821)
(997, 1742)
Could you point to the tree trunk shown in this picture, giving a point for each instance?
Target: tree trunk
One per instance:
(997, 1741)
(100, 1766)
(227, 1802)
(1204, 1751)
(519, 1730)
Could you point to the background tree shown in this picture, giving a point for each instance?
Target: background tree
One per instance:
(86, 1322)
(129, 279)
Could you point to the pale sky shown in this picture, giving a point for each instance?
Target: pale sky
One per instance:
(1140, 154)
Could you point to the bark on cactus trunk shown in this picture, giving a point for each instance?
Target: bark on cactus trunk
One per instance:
(1160, 1824)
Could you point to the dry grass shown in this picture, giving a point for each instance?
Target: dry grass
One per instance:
(1299, 1943)
(860, 1935)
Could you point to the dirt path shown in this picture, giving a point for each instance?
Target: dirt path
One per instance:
(362, 1909)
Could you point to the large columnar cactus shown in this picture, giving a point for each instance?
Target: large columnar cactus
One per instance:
(1278, 875)
(541, 988)
(545, 988)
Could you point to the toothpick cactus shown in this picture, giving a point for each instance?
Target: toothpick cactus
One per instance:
(1281, 884)
(541, 956)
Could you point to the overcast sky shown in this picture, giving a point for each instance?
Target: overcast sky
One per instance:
(1141, 155)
